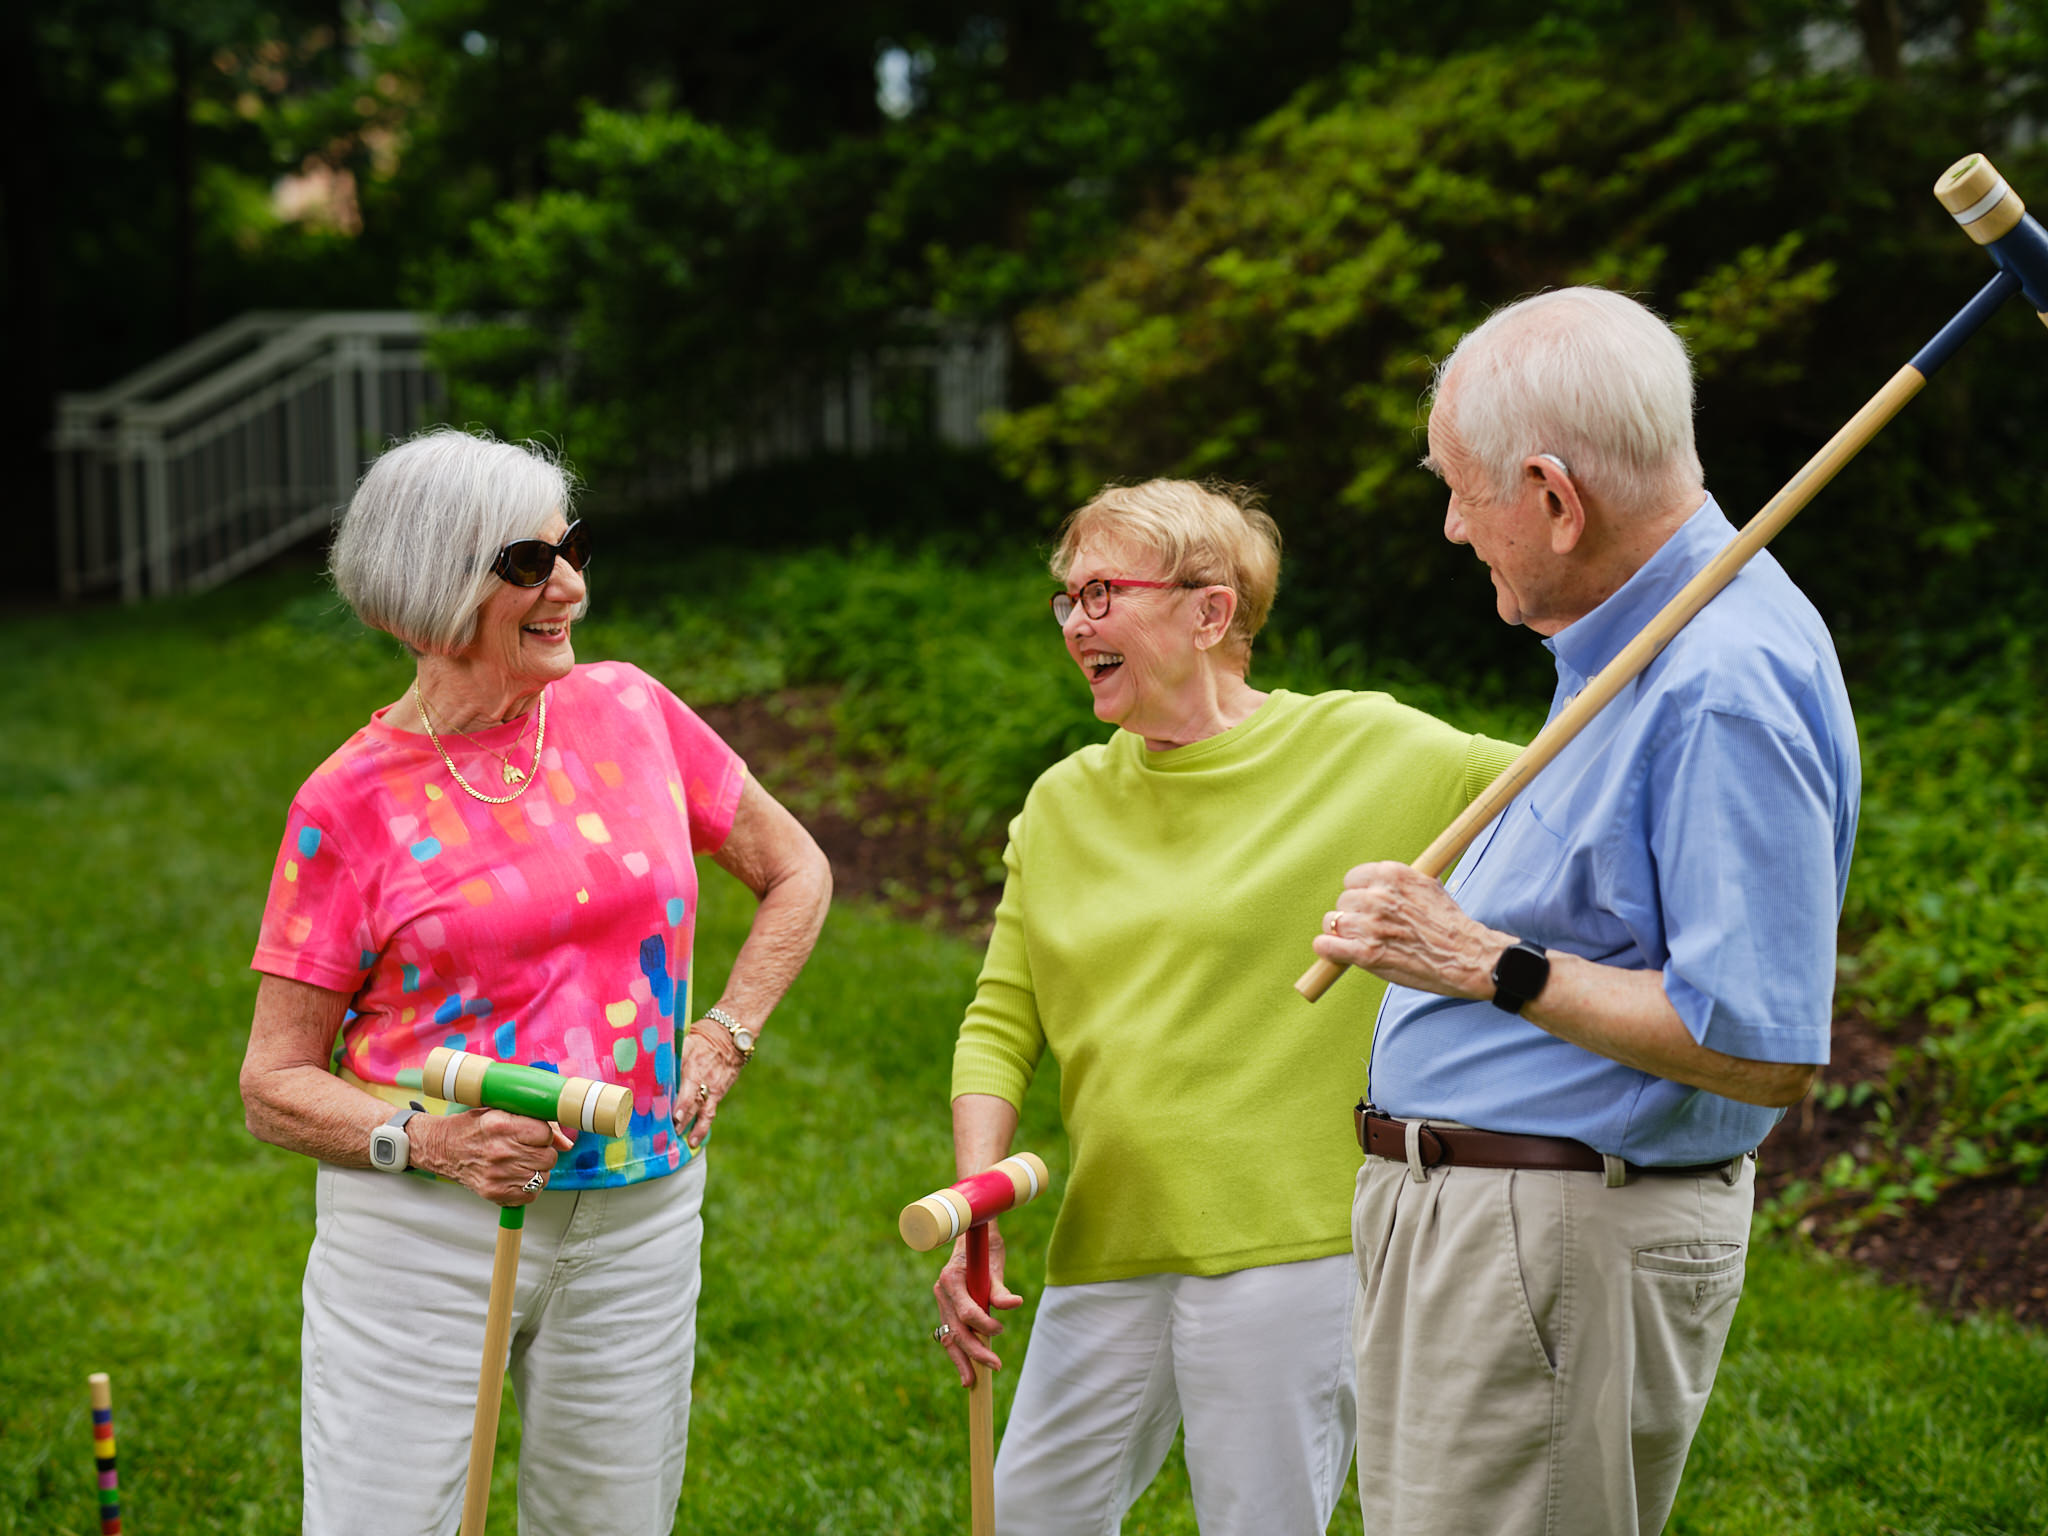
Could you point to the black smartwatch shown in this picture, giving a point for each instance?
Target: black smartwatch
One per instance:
(1519, 974)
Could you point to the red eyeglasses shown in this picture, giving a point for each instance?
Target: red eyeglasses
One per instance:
(1093, 597)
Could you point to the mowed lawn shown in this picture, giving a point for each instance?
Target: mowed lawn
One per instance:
(144, 1233)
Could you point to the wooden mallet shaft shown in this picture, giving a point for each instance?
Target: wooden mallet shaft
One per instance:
(967, 1206)
(463, 1077)
(2017, 244)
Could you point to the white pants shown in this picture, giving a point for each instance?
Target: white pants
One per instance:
(1258, 1363)
(604, 1329)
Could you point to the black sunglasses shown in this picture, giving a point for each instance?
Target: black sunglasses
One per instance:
(529, 562)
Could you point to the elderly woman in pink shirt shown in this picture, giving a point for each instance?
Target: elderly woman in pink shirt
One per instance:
(503, 860)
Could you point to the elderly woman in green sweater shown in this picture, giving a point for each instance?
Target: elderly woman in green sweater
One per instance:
(1158, 886)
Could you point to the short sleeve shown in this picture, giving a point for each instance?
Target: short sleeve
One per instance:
(315, 926)
(712, 774)
(1742, 832)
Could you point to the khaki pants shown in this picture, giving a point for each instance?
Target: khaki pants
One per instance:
(1535, 1349)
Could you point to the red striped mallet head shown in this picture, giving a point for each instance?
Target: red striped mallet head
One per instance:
(944, 1214)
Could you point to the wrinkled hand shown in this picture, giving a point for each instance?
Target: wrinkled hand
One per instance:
(710, 1061)
(1403, 926)
(971, 1326)
(490, 1152)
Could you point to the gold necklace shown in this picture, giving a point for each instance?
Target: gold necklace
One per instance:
(512, 774)
(419, 700)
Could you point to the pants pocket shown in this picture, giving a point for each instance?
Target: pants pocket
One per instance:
(1684, 1297)
(1535, 1232)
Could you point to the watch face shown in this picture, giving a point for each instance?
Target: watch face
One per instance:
(1521, 973)
(388, 1148)
(744, 1039)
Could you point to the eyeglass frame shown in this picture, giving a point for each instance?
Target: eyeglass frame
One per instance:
(1108, 585)
(579, 559)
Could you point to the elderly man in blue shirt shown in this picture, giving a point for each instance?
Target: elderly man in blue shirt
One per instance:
(1617, 992)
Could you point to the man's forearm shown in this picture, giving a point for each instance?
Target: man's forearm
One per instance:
(1626, 1017)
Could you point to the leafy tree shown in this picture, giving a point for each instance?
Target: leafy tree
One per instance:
(1277, 324)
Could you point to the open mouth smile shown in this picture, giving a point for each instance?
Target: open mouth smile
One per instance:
(1099, 664)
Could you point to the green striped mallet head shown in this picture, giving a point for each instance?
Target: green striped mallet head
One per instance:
(578, 1103)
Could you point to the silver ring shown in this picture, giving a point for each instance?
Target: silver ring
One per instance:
(1330, 922)
(536, 1184)
(942, 1333)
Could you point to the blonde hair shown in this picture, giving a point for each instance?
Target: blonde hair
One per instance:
(1586, 374)
(413, 553)
(1212, 534)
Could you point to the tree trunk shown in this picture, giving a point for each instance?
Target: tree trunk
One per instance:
(1880, 24)
(26, 340)
(184, 194)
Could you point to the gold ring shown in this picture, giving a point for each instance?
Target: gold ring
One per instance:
(1330, 922)
(703, 1093)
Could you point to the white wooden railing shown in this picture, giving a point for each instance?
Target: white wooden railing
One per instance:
(230, 449)
(251, 438)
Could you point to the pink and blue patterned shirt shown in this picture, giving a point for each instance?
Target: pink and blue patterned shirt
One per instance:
(554, 931)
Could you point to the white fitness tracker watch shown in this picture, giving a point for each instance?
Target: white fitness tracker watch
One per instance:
(390, 1150)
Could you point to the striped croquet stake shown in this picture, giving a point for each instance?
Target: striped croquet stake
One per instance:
(103, 1453)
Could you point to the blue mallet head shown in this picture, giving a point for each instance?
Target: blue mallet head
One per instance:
(1992, 214)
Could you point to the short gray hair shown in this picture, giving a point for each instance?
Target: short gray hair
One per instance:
(1590, 376)
(413, 553)
(1210, 532)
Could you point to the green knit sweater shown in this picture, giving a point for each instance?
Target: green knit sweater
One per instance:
(1158, 909)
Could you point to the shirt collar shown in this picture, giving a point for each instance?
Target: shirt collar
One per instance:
(1586, 645)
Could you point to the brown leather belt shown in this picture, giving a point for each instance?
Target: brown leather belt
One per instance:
(1442, 1145)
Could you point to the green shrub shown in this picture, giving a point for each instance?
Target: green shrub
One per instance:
(1947, 922)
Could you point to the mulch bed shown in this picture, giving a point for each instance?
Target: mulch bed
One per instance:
(885, 847)
(1981, 1247)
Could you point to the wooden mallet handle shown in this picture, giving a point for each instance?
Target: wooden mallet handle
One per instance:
(1993, 215)
(966, 1207)
(944, 1214)
(463, 1077)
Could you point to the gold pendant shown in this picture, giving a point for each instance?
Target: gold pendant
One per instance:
(513, 775)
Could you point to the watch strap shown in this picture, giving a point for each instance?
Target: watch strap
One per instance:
(742, 1037)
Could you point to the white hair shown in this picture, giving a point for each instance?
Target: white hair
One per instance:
(1588, 376)
(413, 553)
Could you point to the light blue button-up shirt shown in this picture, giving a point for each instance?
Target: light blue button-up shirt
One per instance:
(1701, 825)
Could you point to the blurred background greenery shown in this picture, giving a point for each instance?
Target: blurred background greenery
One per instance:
(1226, 236)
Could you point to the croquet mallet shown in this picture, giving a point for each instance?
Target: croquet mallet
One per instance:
(462, 1077)
(1992, 214)
(941, 1217)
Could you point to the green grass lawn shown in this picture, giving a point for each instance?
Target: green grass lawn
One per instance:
(143, 1233)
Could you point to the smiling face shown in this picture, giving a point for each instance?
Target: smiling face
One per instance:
(1509, 533)
(522, 633)
(1140, 658)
